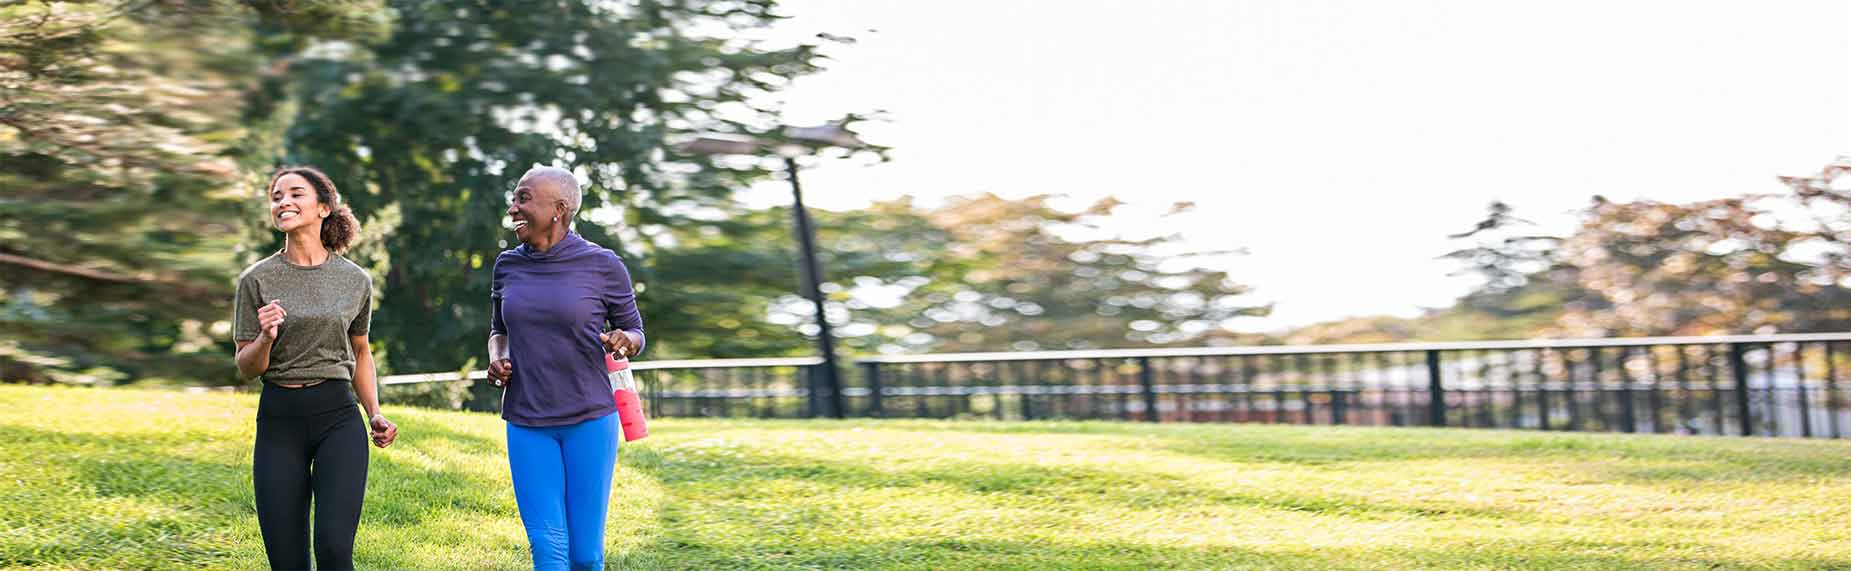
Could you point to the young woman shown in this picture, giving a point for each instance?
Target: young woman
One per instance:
(300, 322)
(553, 297)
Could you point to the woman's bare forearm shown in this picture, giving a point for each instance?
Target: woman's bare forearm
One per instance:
(365, 378)
(253, 358)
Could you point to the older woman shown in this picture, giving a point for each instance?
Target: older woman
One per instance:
(311, 444)
(554, 296)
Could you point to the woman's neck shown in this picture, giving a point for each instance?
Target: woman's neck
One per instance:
(544, 243)
(303, 249)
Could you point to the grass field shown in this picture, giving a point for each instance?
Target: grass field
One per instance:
(128, 479)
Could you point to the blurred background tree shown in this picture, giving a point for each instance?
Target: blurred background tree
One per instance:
(975, 273)
(122, 125)
(428, 130)
(1755, 263)
(1021, 275)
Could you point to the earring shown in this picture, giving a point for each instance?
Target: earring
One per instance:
(555, 218)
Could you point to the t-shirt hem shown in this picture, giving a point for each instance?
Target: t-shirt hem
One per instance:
(301, 381)
(336, 373)
(550, 422)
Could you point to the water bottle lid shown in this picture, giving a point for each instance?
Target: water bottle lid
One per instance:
(613, 364)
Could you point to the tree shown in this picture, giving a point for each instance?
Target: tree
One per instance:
(426, 131)
(1761, 262)
(1524, 286)
(978, 273)
(1825, 206)
(1671, 269)
(983, 273)
(120, 142)
(1754, 263)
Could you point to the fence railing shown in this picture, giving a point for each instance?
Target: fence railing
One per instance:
(1769, 385)
(765, 388)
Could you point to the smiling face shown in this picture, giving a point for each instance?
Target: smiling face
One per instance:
(294, 205)
(534, 208)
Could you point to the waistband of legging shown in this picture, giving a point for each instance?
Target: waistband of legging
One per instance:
(328, 395)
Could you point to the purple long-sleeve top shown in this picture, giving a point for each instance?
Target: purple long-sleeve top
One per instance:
(552, 305)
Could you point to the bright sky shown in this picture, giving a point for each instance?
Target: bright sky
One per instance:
(1338, 142)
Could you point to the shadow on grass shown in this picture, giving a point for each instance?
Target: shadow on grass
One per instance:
(1087, 487)
(772, 553)
(416, 429)
(406, 497)
(1024, 487)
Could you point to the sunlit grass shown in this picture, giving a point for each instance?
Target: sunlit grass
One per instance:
(95, 478)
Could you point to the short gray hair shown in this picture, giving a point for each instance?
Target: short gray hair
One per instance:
(563, 182)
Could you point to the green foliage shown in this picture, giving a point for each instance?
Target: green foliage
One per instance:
(433, 125)
(133, 479)
(121, 131)
(425, 114)
(977, 273)
(755, 253)
(982, 273)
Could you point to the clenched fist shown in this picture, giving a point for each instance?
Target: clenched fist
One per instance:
(270, 319)
(619, 343)
(500, 371)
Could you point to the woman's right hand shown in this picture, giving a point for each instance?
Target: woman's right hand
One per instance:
(500, 371)
(270, 319)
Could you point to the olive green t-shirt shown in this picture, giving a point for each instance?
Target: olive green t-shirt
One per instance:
(323, 306)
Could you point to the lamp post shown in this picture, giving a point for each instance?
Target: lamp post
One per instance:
(801, 139)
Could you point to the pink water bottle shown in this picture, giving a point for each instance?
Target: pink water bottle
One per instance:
(629, 404)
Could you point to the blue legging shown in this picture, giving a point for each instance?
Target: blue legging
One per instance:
(562, 484)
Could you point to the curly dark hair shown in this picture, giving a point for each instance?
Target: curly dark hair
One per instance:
(337, 230)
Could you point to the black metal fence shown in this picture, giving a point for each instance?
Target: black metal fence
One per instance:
(1768, 385)
(750, 388)
(762, 388)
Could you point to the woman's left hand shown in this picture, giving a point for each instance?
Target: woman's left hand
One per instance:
(619, 343)
(384, 432)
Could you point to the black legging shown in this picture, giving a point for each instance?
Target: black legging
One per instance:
(310, 442)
